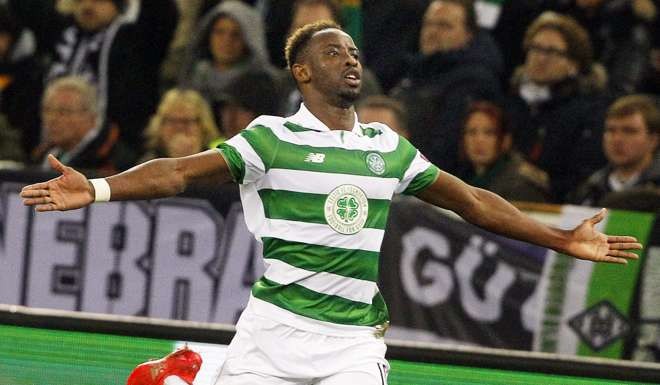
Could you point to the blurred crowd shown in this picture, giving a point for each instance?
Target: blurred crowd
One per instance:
(550, 101)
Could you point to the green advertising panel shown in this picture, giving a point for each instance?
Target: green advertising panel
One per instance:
(30, 356)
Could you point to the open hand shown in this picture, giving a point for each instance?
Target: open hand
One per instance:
(589, 244)
(69, 191)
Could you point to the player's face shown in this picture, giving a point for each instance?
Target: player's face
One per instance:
(481, 140)
(66, 119)
(93, 15)
(547, 61)
(226, 42)
(335, 66)
(627, 141)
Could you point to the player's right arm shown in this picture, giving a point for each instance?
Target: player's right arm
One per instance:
(157, 178)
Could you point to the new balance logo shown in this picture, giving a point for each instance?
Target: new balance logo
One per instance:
(315, 157)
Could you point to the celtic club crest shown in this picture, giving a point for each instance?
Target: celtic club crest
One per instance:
(376, 163)
(346, 209)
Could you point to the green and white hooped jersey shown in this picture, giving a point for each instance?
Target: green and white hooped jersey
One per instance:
(318, 199)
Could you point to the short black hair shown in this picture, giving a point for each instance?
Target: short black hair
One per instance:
(297, 42)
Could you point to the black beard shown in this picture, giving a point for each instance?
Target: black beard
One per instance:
(346, 98)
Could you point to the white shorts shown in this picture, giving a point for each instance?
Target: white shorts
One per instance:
(266, 352)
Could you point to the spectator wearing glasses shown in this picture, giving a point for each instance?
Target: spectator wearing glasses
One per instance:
(558, 106)
(183, 125)
(75, 133)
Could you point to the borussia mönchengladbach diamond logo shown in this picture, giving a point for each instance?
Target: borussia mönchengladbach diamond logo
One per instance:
(600, 325)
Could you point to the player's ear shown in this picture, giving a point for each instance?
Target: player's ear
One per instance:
(301, 73)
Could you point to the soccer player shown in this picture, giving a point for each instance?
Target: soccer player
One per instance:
(316, 188)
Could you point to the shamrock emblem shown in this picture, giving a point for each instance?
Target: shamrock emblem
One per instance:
(347, 208)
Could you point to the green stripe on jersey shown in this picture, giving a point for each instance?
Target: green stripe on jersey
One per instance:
(422, 180)
(276, 153)
(234, 161)
(322, 307)
(307, 207)
(358, 264)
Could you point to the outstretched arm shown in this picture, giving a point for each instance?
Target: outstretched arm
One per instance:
(491, 212)
(157, 178)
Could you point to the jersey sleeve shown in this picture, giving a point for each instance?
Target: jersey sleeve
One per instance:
(419, 174)
(250, 153)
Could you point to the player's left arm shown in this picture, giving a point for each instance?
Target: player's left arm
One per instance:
(491, 212)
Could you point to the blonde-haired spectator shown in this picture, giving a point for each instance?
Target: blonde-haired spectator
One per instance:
(182, 125)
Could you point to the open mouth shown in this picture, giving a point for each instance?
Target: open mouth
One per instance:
(352, 79)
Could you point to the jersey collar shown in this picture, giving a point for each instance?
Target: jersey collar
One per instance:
(305, 118)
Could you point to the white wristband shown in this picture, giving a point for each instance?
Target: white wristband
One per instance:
(101, 190)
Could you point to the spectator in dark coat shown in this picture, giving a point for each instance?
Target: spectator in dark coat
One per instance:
(75, 133)
(558, 107)
(119, 52)
(491, 162)
(630, 143)
(457, 63)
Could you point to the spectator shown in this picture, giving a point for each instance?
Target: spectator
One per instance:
(620, 32)
(248, 96)
(119, 53)
(630, 143)
(75, 132)
(457, 63)
(229, 42)
(309, 11)
(383, 109)
(20, 84)
(558, 107)
(492, 164)
(182, 125)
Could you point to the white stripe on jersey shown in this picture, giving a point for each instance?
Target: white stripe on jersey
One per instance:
(323, 183)
(325, 283)
(322, 235)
